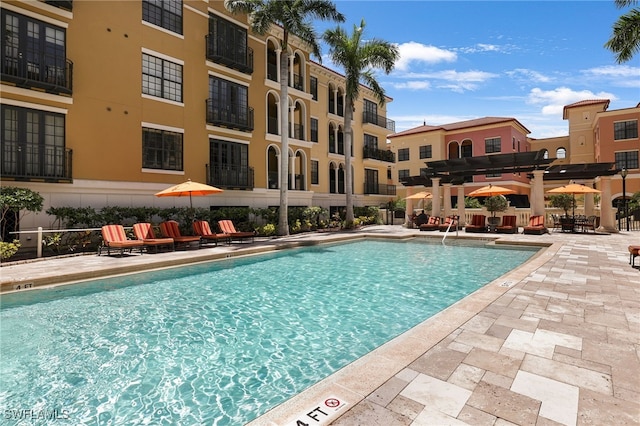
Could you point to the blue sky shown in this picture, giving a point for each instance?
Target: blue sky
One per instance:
(461, 60)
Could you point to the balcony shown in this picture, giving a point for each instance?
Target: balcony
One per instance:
(297, 82)
(30, 162)
(379, 154)
(238, 57)
(378, 120)
(375, 188)
(230, 176)
(62, 4)
(298, 132)
(233, 116)
(39, 74)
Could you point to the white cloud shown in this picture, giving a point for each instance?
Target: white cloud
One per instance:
(413, 52)
(447, 79)
(528, 75)
(552, 102)
(616, 75)
(413, 85)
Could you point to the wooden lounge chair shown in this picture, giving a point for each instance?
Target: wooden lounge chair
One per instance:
(114, 237)
(227, 227)
(478, 224)
(451, 222)
(634, 251)
(171, 229)
(431, 225)
(144, 232)
(509, 225)
(202, 229)
(535, 226)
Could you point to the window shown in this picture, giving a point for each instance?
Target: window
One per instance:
(163, 13)
(314, 172)
(33, 143)
(625, 130)
(370, 112)
(228, 104)
(34, 52)
(161, 149)
(314, 130)
(229, 164)
(627, 159)
(402, 174)
(403, 154)
(425, 151)
(370, 141)
(493, 175)
(561, 153)
(313, 86)
(227, 44)
(491, 145)
(161, 78)
(371, 181)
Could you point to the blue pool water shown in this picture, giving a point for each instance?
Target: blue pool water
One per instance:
(223, 342)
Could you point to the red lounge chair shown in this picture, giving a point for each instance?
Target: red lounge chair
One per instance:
(450, 220)
(113, 236)
(203, 230)
(509, 225)
(171, 229)
(634, 251)
(227, 227)
(536, 226)
(431, 225)
(144, 232)
(478, 224)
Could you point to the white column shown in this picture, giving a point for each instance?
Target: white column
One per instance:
(537, 194)
(607, 220)
(335, 104)
(278, 53)
(409, 210)
(446, 198)
(435, 201)
(461, 208)
(588, 201)
(292, 172)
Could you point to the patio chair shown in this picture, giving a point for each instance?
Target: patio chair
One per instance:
(144, 232)
(557, 224)
(634, 251)
(451, 222)
(589, 223)
(227, 227)
(114, 237)
(509, 225)
(171, 229)
(202, 229)
(478, 224)
(535, 226)
(431, 225)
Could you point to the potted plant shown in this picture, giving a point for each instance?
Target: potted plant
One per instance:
(562, 201)
(493, 204)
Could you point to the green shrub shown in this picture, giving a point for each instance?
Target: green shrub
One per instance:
(8, 249)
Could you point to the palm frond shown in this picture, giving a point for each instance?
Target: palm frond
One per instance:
(625, 42)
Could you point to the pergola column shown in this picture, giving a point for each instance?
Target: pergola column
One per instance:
(607, 221)
(447, 198)
(588, 202)
(435, 201)
(409, 211)
(537, 194)
(461, 207)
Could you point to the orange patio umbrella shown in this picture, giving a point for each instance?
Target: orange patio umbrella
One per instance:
(419, 196)
(490, 191)
(573, 189)
(189, 188)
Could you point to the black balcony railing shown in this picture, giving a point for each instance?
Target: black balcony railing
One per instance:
(379, 154)
(272, 125)
(272, 72)
(230, 176)
(233, 116)
(62, 4)
(297, 82)
(298, 132)
(36, 162)
(239, 57)
(378, 120)
(39, 74)
(379, 188)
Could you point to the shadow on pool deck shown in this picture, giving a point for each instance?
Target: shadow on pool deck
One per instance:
(555, 341)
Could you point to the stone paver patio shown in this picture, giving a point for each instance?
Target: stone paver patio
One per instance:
(553, 342)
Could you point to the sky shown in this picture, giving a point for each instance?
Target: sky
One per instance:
(461, 60)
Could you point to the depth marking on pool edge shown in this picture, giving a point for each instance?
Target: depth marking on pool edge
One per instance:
(506, 284)
(320, 414)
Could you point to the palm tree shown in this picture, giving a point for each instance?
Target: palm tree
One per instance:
(358, 57)
(294, 17)
(625, 41)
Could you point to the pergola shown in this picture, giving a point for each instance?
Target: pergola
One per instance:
(455, 171)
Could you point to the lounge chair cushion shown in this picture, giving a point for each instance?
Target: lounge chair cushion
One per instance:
(509, 225)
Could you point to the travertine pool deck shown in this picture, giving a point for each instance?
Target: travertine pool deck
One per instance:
(555, 341)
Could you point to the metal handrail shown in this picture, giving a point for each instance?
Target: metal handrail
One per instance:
(41, 231)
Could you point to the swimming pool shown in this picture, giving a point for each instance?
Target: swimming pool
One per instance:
(223, 342)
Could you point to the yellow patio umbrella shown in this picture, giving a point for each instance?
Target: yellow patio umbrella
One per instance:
(422, 195)
(189, 188)
(573, 189)
(490, 191)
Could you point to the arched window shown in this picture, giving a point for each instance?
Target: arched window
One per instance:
(272, 114)
(466, 149)
(561, 153)
(273, 167)
(299, 166)
(272, 61)
(545, 154)
(454, 150)
(333, 175)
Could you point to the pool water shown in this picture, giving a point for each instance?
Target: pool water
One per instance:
(223, 342)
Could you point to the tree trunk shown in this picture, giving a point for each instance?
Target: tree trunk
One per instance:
(348, 177)
(283, 219)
